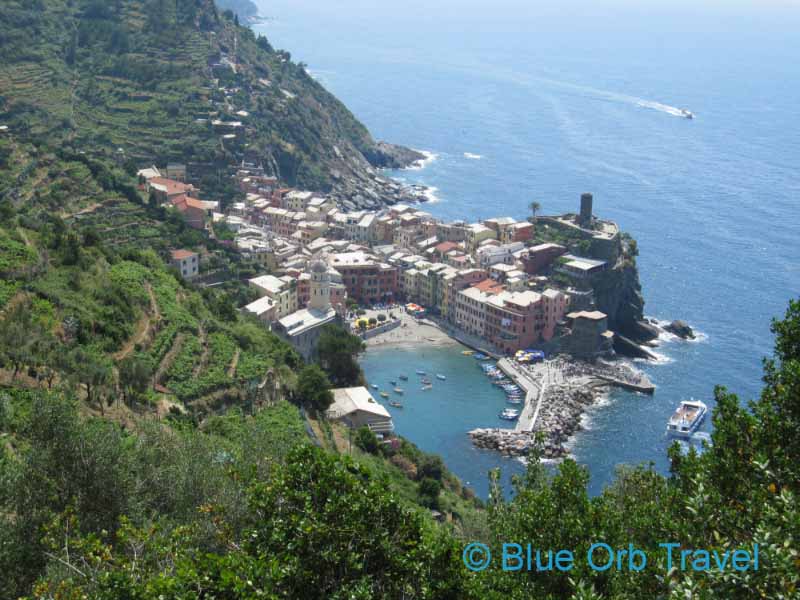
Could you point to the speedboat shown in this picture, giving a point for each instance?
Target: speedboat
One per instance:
(404, 377)
(687, 418)
(398, 390)
(441, 377)
(687, 114)
(509, 414)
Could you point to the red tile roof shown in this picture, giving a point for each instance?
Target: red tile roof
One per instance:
(181, 254)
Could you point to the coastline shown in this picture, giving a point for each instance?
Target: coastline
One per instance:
(569, 390)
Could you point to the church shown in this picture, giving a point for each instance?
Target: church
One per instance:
(303, 327)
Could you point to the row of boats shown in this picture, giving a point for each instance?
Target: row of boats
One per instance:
(427, 384)
(515, 395)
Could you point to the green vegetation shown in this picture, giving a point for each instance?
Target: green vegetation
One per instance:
(250, 509)
(338, 352)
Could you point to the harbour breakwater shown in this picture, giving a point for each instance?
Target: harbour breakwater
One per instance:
(558, 394)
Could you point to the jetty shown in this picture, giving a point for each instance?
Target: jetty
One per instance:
(534, 393)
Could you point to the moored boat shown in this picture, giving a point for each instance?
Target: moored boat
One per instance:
(509, 414)
(420, 372)
(687, 418)
(404, 377)
(398, 390)
(374, 387)
(396, 404)
(441, 377)
(384, 394)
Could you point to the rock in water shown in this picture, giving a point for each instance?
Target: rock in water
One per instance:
(682, 329)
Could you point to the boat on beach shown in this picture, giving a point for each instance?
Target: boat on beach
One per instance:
(687, 418)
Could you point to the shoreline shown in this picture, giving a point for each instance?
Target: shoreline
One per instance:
(571, 389)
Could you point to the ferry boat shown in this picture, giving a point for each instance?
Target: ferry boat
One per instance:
(509, 414)
(384, 394)
(398, 390)
(404, 377)
(687, 419)
(441, 377)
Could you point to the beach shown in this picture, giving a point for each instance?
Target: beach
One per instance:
(411, 332)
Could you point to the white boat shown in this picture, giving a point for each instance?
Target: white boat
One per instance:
(440, 376)
(687, 114)
(509, 414)
(374, 387)
(398, 390)
(420, 372)
(687, 419)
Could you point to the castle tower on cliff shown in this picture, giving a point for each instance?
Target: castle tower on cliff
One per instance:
(320, 291)
(585, 219)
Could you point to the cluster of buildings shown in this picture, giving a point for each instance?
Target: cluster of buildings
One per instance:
(485, 279)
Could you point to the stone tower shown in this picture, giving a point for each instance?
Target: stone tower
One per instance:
(320, 291)
(585, 220)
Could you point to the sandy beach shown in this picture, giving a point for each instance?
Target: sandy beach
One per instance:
(410, 333)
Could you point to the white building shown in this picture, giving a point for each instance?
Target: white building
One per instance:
(355, 407)
(282, 290)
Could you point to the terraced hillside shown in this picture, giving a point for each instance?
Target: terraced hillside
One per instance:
(143, 81)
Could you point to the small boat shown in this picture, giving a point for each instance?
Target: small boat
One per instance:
(404, 377)
(396, 404)
(468, 352)
(687, 419)
(420, 372)
(426, 381)
(384, 394)
(509, 414)
(394, 383)
(441, 377)
(374, 387)
(398, 390)
(687, 114)
(427, 387)
(514, 401)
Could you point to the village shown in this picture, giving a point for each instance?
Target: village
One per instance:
(486, 282)
(398, 275)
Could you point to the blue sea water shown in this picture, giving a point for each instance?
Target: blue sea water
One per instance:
(521, 101)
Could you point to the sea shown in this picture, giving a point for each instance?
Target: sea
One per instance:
(516, 101)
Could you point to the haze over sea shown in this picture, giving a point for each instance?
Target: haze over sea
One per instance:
(521, 102)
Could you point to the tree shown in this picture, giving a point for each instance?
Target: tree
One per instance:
(366, 440)
(134, 377)
(338, 352)
(429, 491)
(535, 208)
(314, 389)
(381, 317)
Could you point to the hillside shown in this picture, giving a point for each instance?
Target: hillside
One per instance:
(151, 81)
